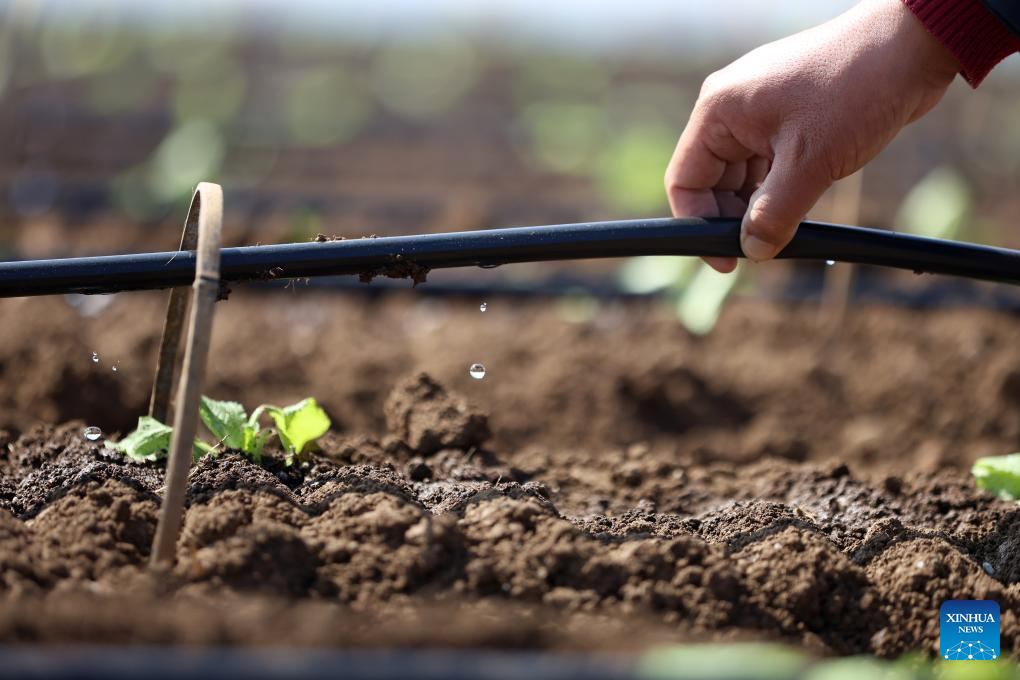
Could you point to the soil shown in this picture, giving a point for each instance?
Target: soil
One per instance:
(613, 484)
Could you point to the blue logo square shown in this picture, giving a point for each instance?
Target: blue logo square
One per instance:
(969, 630)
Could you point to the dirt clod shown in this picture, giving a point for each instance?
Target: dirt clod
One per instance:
(427, 418)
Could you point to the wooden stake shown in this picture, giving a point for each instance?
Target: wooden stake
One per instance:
(169, 346)
(839, 277)
(207, 203)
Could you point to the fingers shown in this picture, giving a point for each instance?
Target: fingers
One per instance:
(708, 169)
(757, 170)
(723, 265)
(789, 190)
(707, 157)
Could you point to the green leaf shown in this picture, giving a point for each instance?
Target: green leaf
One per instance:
(702, 301)
(648, 274)
(226, 420)
(299, 424)
(254, 442)
(253, 420)
(938, 206)
(201, 449)
(722, 660)
(148, 442)
(260, 443)
(999, 474)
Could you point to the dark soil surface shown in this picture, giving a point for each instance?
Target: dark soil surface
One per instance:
(608, 485)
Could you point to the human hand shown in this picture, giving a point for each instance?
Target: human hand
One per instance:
(774, 129)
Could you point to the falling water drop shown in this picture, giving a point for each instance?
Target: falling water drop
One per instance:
(477, 371)
(92, 433)
(484, 306)
(829, 263)
(95, 357)
(116, 367)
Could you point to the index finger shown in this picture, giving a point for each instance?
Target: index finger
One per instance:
(705, 155)
(699, 163)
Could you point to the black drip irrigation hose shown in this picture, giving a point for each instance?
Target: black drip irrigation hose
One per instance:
(869, 287)
(414, 255)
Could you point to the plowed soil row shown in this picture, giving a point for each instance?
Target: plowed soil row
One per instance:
(612, 484)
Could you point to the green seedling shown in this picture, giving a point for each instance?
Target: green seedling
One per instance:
(230, 424)
(999, 474)
(297, 425)
(150, 440)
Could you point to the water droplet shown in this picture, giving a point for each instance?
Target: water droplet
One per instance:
(829, 263)
(95, 358)
(92, 433)
(484, 306)
(116, 367)
(477, 371)
(489, 265)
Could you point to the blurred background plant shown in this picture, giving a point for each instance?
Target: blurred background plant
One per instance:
(404, 117)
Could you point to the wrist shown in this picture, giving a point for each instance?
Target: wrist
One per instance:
(968, 31)
(922, 50)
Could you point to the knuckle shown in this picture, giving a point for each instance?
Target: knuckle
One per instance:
(717, 90)
(711, 83)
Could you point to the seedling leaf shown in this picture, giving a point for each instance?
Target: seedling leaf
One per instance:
(254, 442)
(999, 474)
(299, 424)
(650, 274)
(226, 420)
(702, 301)
(148, 442)
(938, 206)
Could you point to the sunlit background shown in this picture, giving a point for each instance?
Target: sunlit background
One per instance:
(401, 116)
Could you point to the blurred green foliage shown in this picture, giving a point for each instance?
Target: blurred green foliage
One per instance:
(999, 474)
(608, 121)
(762, 661)
(325, 105)
(938, 206)
(757, 661)
(565, 136)
(193, 151)
(562, 76)
(81, 49)
(701, 301)
(214, 94)
(305, 225)
(424, 80)
(630, 170)
(186, 54)
(643, 275)
(224, 89)
(578, 306)
(696, 291)
(125, 89)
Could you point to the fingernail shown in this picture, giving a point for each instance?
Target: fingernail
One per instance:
(756, 249)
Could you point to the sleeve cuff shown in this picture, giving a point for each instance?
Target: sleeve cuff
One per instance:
(975, 37)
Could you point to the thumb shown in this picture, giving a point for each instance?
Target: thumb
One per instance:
(775, 210)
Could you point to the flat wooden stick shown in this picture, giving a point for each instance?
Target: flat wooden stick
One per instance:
(208, 203)
(839, 278)
(173, 327)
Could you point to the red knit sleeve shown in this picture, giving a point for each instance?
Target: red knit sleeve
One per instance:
(975, 37)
